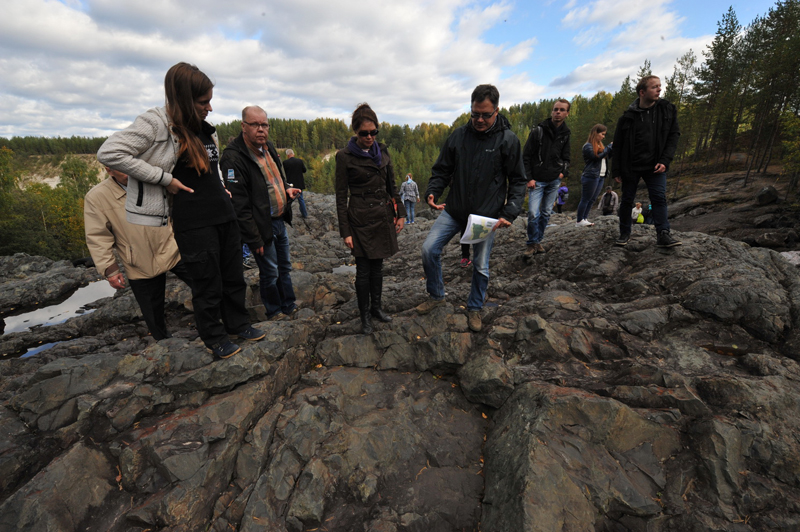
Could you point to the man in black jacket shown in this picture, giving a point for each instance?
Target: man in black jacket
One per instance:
(644, 144)
(481, 162)
(262, 200)
(546, 158)
(295, 168)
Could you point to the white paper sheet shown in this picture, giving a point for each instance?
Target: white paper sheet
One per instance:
(478, 229)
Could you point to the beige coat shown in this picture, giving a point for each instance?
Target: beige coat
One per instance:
(145, 251)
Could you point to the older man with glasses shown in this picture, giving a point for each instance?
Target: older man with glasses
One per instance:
(262, 199)
(481, 162)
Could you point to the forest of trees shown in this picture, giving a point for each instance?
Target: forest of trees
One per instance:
(738, 108)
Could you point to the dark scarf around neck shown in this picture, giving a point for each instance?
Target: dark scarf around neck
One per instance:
(374, 152)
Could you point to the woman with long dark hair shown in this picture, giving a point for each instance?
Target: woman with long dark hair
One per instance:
(366, 199)
(173, 149)
(595, 155)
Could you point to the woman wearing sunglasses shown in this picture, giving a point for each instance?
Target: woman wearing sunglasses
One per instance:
(173, 149)
(366, 200)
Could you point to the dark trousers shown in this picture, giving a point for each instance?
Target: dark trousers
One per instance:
(275, 272)
(149, 293)
(213, 258)
(656, 189)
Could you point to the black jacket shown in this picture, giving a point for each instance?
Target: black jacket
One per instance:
(295, 168)
(245, 180)
(666, 132)
(484, 172)
(546, 153)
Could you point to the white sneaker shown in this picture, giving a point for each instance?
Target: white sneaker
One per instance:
(584, 223)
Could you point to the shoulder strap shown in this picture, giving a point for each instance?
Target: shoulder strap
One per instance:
(539, 135)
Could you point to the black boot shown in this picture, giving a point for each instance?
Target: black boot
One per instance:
(362, 294)
(375, 290)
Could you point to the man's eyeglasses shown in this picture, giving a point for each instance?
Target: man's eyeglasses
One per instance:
(257, 125)
(366, 133)
(485, 116)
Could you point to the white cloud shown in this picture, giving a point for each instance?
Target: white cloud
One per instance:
(91, 67)
(618, 36)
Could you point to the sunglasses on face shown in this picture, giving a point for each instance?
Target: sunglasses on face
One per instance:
(367, 133)
(485, 116)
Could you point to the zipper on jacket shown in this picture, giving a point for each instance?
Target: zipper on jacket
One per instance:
(140, 197)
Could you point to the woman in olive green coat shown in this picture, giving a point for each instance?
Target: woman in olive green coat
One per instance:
(369, 210)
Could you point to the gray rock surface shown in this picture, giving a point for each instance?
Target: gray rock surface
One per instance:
(611, 389)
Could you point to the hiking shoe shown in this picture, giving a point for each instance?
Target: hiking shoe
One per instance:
(665, 240)
(429, 305)
(251, 333)
(465, 263)
(531, 250)
(539, 248)
(584, 223)
(474, 320)
(225, 349)
(622, 240)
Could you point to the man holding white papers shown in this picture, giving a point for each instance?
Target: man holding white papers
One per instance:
(481, 162)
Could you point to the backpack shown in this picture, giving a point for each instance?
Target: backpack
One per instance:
(564, 196)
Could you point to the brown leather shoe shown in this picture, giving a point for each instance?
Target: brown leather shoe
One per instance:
(429, 305)
(474, 320)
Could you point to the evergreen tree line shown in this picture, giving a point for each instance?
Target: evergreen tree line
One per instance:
(738, 109)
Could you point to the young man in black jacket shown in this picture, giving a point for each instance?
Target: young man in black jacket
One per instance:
(644, 144)
(481, 162)
(262, 201)
(546, 158)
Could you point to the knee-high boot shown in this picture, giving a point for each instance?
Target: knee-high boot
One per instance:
(375, 291)
(362, 294)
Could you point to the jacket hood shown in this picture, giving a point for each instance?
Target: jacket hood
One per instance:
(501, 124)
(237, 145)
(547, 125)
(634, 107)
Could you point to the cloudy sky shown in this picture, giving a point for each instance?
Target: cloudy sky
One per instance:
(88, 67)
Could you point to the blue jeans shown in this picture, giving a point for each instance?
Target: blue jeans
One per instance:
(302, 204)
(409, 204)
(443, 230)
(540, 208)
(656, 189)
(590, 189)
(274, 270)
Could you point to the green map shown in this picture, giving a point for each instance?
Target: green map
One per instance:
(480, 231)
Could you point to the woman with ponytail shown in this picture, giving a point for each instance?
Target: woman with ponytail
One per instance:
(596, 156)
(173, 150)
(366, 200)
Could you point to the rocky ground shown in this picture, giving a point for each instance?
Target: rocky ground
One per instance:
(611, 389)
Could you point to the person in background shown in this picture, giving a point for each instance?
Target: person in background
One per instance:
(635, 212)
(156, 251)
(546, 158)
(409, 193)
(262, 201)
(483, 155)
(294, 169)
(562, 197)
(173, 149)
(366, 200)
(645, 141)
(595, 157)
(608, 202)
